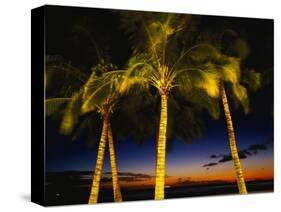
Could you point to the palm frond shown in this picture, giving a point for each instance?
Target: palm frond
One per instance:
(209, 83)
(206, 79)
(72, 113)
(97, 97)
(252, 79)
(199, 53)
(154, 29)
(240, 93)
(201, 100)
(52, 105)
(89, 129)
(56, 63)
(231, 70)
(58, 71)
(267, 77)
(131, 84)
(102, 86)
(234, 45)
(137, 75)
(81, 29)
(185, 122)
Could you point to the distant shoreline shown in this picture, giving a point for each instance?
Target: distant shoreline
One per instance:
(69, 188)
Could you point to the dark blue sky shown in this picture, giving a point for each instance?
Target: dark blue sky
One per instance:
(64, 154)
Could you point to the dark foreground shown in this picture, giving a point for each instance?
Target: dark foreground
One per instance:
(63, 191)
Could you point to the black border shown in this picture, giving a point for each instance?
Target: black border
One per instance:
(37, 105)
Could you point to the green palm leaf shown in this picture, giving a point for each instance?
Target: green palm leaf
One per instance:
(57, 64)
(53, 105)
(251, 79)
(72, 113)
(96, 98)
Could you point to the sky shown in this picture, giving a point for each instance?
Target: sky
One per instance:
(205, 159)
(190, 161)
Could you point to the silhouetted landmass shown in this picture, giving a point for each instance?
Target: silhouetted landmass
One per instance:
(73, 187)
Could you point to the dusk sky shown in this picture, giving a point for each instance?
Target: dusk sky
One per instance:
(183, 160)
(204, 159)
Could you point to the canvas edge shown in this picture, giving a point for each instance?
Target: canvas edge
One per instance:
(37, 106)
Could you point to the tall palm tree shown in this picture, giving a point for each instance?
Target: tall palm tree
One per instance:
(83, 98)
(228, 54)
(84, 36)
(101, 94)
(160, 62)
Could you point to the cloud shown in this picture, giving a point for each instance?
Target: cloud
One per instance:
(134, 174)
(127, 177)
(131, 174)
(256, 147)
(243, 154)
(225, 158)
(210, 164)
(131, 179)
(189, 182)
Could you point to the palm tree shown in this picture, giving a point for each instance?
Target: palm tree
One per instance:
(101, 94)
(80, 100)
(228, 55)
(83, 98)
(161, 63)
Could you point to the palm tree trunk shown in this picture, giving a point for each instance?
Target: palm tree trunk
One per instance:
(156, 147)
(99, 164)
(115, 181)
(232, 141)
(161, 150)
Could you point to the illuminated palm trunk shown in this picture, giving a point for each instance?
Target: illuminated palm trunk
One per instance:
(232, 142)
(161, 151)
(156, 148)
(99, 164)
(115, 181)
